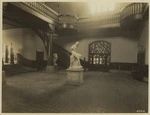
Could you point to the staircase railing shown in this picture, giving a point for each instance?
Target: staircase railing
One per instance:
(29, 63)
(64, 56)
(44, 38)
(132, 9)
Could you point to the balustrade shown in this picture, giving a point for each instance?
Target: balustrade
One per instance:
(64, 56)
(41, 8)
(132, 9)
(69, 21)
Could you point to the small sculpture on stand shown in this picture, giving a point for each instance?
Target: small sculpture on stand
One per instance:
(75, 57)
(55, 58)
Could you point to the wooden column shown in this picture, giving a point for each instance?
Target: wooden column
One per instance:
(51, 68)
(50, 50)
(6, 54)
(11, 55)
(51, 46)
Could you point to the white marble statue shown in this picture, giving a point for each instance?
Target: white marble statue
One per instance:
(55, 57)
(75, 57)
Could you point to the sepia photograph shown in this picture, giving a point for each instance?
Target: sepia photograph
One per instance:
(75, 57)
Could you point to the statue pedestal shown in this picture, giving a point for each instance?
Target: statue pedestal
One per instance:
(75, 76)
(3, 78)
(51, 69)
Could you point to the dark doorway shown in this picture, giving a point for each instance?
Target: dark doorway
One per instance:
(40, 60)
(99, 55)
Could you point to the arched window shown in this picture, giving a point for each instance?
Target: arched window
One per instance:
(99, 53)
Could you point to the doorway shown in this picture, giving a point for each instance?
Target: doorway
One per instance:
(40, 60)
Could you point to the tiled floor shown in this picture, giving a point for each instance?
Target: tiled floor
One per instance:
(40, 92)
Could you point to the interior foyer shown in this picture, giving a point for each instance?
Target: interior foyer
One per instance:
(114, 49)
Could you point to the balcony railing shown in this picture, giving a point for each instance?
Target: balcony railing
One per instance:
(132, 9)
(69, 21)
(41, 8)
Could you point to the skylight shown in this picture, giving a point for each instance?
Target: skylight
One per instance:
(97, 8)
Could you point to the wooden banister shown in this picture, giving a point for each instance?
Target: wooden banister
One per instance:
(64, 56)
(132, 9)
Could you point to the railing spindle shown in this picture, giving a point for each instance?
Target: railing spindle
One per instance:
(132, 9)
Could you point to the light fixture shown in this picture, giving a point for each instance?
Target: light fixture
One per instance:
(68, 23)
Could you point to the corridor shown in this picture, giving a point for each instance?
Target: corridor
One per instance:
(101, 92)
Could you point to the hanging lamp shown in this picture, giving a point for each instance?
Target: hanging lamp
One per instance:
(68, 24)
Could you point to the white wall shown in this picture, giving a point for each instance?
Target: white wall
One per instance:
(122, 49)
(24, 41)
(143, 40)
(13, 36)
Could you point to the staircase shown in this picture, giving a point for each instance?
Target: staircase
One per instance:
(16, 69)
(64, 56)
